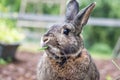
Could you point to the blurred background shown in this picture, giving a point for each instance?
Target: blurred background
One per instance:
(23, 22)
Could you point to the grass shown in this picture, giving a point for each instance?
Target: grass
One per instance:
(101, 51)
(4, 62)
(98, 55)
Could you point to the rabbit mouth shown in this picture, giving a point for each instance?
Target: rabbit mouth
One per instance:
(58, 53)
(53, 52)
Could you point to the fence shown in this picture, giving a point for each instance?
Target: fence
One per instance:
(41, 21)
(25, 20)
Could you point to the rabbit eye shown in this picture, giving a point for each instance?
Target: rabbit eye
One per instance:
(66, 31)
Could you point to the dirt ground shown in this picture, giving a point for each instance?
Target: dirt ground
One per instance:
(25, 68)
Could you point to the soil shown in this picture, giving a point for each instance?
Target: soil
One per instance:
(25, 68)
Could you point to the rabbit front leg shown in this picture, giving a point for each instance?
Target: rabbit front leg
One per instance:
(44, 69)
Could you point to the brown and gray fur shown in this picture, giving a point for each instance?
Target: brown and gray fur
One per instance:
(66, 57)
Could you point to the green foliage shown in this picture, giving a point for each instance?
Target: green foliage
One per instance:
(7, 22)
(9, 5)
(101, 48)
(8, 33)
(43, 8)
(88, 36)
(108, 35)
(50, 9)
(5, 61)
(104, 8)
(2, 61)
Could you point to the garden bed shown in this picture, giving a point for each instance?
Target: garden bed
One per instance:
(25, 68)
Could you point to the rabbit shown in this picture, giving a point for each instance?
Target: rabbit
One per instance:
(65, 56)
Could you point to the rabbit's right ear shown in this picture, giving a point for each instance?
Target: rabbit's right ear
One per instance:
(82, 17)
(71, 10)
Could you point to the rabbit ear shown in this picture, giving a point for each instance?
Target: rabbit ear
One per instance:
(71, 10)
(82, 17)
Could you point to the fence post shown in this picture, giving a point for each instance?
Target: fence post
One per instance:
(116, 50)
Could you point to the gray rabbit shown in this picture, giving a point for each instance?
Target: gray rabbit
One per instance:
(65, 57)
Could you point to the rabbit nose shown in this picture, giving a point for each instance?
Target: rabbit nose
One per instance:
(46, 39)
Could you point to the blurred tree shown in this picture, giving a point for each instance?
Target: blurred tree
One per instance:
(9, 5)
(105, 9)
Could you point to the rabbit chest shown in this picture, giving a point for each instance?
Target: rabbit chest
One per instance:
(80, 68)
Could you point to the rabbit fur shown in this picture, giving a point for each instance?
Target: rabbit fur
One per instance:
(66, 57)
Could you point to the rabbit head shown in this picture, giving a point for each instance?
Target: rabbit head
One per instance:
(64, 40)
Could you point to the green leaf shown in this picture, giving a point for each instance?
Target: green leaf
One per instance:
(108, 77)
(43, 48)
(2, 61)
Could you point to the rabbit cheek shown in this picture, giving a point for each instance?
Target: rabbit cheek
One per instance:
(70, 49)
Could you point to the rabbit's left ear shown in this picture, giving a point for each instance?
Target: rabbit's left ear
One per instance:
(71, 10)
(83, 16)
